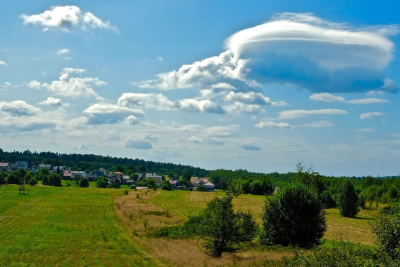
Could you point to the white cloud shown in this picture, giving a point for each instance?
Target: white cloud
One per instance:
(252, 98)
(223, 86)
(208, 72)
(107, 113)
(371, 115)
(18, 108)
(299, 113)
(326, 97)
(50, 101)
(157, 101)
(62, 52)
(73, 86)
(298, 49)
(238, 107)
(82, 147)
(195, 139)
(318, 124)
(3, 63)
(6, 85)
(132, 120)
(272, 124)
(367, 101)
(139, 144)
(250, 146)
(222, 131)
(160, 58)
(33, 84)
(204, 106)
(66, 18)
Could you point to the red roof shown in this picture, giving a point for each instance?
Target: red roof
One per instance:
(4, 164)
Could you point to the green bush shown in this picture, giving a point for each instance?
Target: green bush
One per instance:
(348, 200)
(166, 185)
(102, 182)
(33, 181)
(12, 179)
(201, 188)
(386, 228)
(293, 216)
(84, 183)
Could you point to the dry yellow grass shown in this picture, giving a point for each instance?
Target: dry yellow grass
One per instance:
(145, 210)
(139, 209)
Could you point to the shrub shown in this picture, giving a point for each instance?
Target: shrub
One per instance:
(293, 216)
(201, 188)
(327, 200)
(33, 181)
(386, 228)
(12, 179)
(348, 200)
(84, 183)
(151, 184)
(166, 185)
(102, 182)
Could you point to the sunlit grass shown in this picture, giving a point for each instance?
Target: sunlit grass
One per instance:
(64, 226)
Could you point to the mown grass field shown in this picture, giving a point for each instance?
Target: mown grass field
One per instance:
(65, 226)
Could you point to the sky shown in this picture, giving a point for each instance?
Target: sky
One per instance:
(256, 85)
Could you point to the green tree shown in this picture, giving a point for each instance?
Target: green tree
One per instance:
(43, 172)
(222, 229)
(57, 179)
(12, 179)
(45, 179)
(201, 188)
(348, 200)
(293, 216)
(102, 182)
(166, 185)
(33, 181)
(3, 177)
(187, 175)
(84, 183)
(51, 180)
(151, 183)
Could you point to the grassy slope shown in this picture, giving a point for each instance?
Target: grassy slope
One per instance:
(64, 227)
(185, 203)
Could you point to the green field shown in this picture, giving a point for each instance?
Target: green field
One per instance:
(65, 226)
(70, 226)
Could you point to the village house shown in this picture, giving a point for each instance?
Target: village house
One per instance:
(67, 175)
(94, 175)
(174, 183)
(21, 165)
(155, 177)
(42, 166)
(5, 166)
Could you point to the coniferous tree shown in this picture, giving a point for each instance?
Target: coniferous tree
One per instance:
(348, 200)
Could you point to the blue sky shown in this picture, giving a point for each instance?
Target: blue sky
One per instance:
(255, 85)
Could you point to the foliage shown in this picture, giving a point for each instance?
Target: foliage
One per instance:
(326, 200)
(33, 181)
(308, 177)
(102, 182)
(386, 228)
(223, 229)
(348, 200)
(190, 229)
(12, 179)
(151, 184)
(293, 216)
(166, 185)
(201, 188)
(342, 254)
(84, 183)
(3, 177)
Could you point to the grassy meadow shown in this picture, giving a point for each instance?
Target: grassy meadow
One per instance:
(65, 226)
(70, 226)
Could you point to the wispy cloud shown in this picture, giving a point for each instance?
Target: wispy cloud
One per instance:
(299, 113)
(371, 115)
(327, 97)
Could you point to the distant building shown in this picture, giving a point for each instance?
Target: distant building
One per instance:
(21, 165)
(174, 183)
(155, 177)
(5, 166)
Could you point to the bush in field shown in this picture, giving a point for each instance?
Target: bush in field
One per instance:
(386, 228)
(12, 179)
(327, 200)
(151, 184)
(166, 185)
(45, 179)
(84, 183)
(33, 181)
(293, 216)
(102, 182)
(348, 200)
(201, 188)
(3, 177)
(223, 229)
(342, 254)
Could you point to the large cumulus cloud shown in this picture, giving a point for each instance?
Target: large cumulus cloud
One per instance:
(298, 49)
